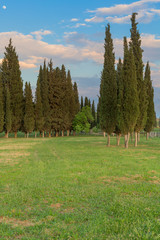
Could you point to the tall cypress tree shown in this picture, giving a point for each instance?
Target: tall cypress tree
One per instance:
(150, 98)
(86, 102)
(98, 113)
(93, 124)
(64, 97)
(43, 77)
(70, 102)
(1, 106)
(39, 119)
(29, 109)
(120, 118)
(108, 88)
(130, 95)
(76, 97)
(57, 119)
(81, 102)
(51, 91)
(137, 51)
(11, 76)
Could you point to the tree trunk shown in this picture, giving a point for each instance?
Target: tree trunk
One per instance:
(104, 134)
(138, 138)
(15, 134)
(62, 133)
(126, 140)
(57, 133)
(118, 139)
(74, 133)
(132, 137)
(35, 135)
(147, 135)
(6, 135)
(135, 143)
(67, 133)
(43, 134)
(49, 134)
(108, 143)
(128, 136)
(27, 134)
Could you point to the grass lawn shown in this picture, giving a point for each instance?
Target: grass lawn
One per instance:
(77, 188)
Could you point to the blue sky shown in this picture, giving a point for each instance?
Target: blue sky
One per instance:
(72, 33)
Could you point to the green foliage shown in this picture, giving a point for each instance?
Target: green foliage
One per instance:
(130, 95)
(43, 78)
(108, 87)
(82, 120)
(8, 115)
(137, 52)
(39, 119)
(94, 115)
(29, 110)
(95, 129)
(151, 118)
(82, 102)
(11, 77)
(1, 106)
(77, 105)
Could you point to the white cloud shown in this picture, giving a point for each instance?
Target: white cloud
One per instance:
(41, 33)
(77, 49)
(4, 7)
(123, 8)
(95, 19)
(120, 13)
(157, 11)
(79, 25)
(74, 20)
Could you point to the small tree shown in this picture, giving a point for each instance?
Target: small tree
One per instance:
(82, 120)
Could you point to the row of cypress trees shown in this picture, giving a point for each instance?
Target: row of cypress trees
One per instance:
(55, 104)
(126, 96)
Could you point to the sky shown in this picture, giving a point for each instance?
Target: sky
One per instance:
(72, 33)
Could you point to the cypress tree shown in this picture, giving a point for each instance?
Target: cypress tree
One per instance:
(8, 120)
(57, 119)
(29, 109)
(76, 97)
(50, 91)
(98, 113)
(120, 118)
(39, 120)
(86, 102)
(11, 76)
(43, 77)
(89, 103)
(137, 51)
(93, 124)
(1, 106)
(70, 102)
(150, 95)
(65, 99)
(108, 88)
(81, 102)
(130, 95)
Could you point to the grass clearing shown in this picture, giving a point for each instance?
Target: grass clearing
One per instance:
(77, 188)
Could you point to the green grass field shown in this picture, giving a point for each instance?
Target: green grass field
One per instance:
(77, 188)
